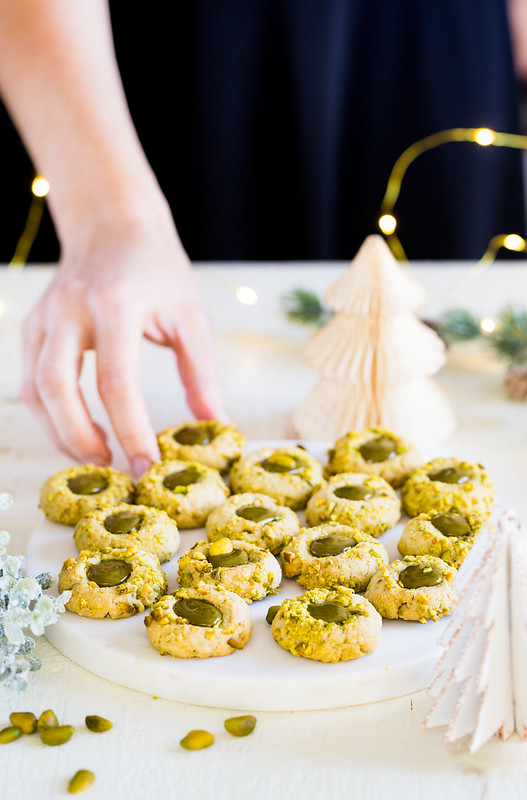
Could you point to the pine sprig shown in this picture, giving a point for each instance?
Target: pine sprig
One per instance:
(459, 325)
(509, 340)
(304, 307)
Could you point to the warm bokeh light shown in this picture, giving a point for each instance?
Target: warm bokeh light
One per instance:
(484, 136)
(487, 325)
(387, 223)
(514, 242)
(40, 187)
(246, 295)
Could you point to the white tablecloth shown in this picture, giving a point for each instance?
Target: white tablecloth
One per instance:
(361, 752)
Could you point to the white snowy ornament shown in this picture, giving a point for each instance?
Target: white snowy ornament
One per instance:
(375, 356)
(480, 686)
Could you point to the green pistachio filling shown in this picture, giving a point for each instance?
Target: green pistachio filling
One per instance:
(382, 448)
(194, 434)
(111, 572)
(272, 611)
(198, 612)
(256, 514)
(353, 492)
(184, 477)
(332, 545)
(89, 483)
(449, 475)
(416, 575)
(282, 462)
(451, 524)
(233, 559)
(332, 611)
(123, 522)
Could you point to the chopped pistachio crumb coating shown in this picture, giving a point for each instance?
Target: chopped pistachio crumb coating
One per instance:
(210, 442)
(143, 526)
(193, 491)
(446, 483)
(421, 537)
(312, 557)
(254, 518)
(145, 583)
(240, 567)
(375, 510)
(100, 486)
(173, 634)
(289, 474)
(375, 450)
(393, 600)
(296, 629)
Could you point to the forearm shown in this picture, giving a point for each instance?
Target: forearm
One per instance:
(60, 81)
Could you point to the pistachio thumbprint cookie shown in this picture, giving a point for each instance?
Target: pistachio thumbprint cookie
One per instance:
(112, 583)
(327, 625)
(124, 525)
(417, 588)
(199, 622)
(448, 535)
(329, 555)
(240, 567)
(254, 518)
(357, 499)
(208, 441)
(71, 494)
(289, 474)
(374, 450)
(446, 483)
(186, 490)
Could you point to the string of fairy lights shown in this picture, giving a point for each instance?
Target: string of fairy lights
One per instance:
(484, 137)
(387, 222)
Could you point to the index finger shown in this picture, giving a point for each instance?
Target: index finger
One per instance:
(117, 344)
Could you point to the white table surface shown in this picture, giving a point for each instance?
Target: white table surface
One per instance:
(366, 751)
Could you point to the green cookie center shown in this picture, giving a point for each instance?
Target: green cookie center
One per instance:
(256, 514)
(449, 475)
(282, 462)
(198, 612)
(90, 483)
(184, 477)
(194, 434)
(332, 545)
(416, 575)
(332, 611)
(233, 559)
(111, 572)
(382, 448)
(451, 524)
(123, 522)
(353, 492)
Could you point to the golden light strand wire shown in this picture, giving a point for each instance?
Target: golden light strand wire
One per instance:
(39, 188)
(480, 136)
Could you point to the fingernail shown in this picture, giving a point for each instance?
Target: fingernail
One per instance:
(140, 464)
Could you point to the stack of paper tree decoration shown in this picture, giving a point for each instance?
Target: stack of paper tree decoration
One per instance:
(481, 686)
(375, 356)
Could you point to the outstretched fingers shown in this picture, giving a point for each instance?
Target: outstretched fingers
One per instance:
(117, 342)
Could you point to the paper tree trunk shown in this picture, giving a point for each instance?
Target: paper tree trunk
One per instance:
(480, 687)
(375, 356)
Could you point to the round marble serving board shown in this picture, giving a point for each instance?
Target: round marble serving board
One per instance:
(262, 676)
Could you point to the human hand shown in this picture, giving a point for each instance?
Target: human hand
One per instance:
(115, 284)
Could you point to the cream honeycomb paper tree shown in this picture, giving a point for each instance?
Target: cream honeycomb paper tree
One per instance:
(375, 356)
(480, 687)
